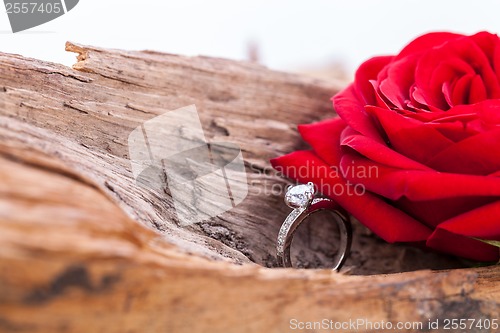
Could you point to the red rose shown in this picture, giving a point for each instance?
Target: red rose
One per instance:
(425, 127)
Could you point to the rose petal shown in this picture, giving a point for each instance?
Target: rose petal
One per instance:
(430, 73)
(445, 73)
(369, 70)
(489, 112)
(426, 42)
(491, 107)
(447, 242)
(435, 212)
(461, 90)
(400, 78)
(457, 130)
(447, 89)
(478, 91)
(377, 151)
(410, 137)
(457, 80)
(302, 166)
(496, 61)
(454, 236)
(324, 138)
(416, 185)
(464, 120)
(352, 111)
(385, 220)
(481, 222)
(381, 101)
(476, 155)
(488, 43)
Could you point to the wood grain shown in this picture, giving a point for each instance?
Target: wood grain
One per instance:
(84, 249)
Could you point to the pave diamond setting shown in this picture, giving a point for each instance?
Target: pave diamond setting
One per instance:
(299, 196)
(301, 199)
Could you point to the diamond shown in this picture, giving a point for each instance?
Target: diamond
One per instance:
(299, 196)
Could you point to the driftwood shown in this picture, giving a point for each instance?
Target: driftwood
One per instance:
(84, 249)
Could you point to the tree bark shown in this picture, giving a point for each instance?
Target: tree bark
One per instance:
(84, 249)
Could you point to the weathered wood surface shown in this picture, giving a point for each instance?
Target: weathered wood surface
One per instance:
(84, 249)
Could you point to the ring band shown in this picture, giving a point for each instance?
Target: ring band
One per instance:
(304, 203)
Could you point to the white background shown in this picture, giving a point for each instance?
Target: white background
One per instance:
(290, 34)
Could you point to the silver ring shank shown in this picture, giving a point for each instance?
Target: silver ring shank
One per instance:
(299, 215)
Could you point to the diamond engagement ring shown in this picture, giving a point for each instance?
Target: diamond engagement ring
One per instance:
(304, 202)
